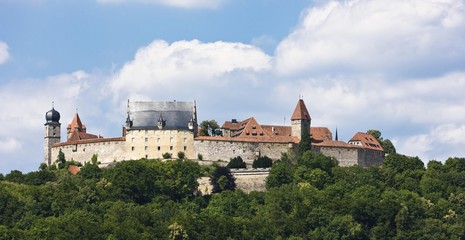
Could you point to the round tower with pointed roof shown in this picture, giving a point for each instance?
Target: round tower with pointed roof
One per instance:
(300, 120)
(52, 133)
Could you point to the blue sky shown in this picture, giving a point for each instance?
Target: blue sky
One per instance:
(393, 65)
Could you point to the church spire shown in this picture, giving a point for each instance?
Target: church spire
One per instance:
(337, 138)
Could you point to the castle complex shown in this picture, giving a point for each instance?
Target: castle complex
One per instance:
(155, 129)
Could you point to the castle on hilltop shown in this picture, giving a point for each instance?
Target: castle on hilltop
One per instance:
(154, 129)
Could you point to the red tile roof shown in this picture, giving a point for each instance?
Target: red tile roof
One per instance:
(73, 169)
(257, 139)
(336, 144)
(301, 112)
(81, 136)
(320, 134)
(76, 125)
(366, 140)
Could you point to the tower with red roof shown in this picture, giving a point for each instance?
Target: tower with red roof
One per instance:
(300, 120)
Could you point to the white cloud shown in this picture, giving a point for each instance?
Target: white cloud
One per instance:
(190, 67)
(4, 54)
(173, 3)
(389, 36)
(440, 143)
(9, 145)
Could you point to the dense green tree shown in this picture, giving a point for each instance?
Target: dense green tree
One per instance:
(61, 159)
(280, 174)
(262, 162)
(400, 163)
(209, 128)
(222, 179)
(134, 180)
(305, 143)
(385, 143)
(313, 160)
(236, 162)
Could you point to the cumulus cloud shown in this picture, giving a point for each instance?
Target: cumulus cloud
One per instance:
(389, 36)
(173, 3)
(440, 143)
(4, 54)
(8, 145)
(163, 69)
(24, 104)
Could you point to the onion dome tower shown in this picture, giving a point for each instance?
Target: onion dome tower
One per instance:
(52, 133)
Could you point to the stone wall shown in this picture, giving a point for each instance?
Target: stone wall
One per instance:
(107, 151)
(369, 157)
(347, 157)
(247, 180)
(214, 150)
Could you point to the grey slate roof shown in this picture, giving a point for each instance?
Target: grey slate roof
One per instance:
(145, 115)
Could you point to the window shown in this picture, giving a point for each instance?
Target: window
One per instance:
(185, 148)
(185, 139)
(158, 148)
(146, 148)
(132, 140)
(146, 139)
(158, 140)
(171, 147)
(132, 148)
(171, 139)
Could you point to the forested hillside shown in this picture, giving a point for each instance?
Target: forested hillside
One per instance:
(308, 197)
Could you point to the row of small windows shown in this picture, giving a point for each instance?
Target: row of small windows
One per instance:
(162, 132)
(158, 148)
(158, 139)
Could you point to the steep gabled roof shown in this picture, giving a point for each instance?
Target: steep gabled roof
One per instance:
(81, 136)
(320, 134)
(366, 140)
(252, 128)
(76, 125)
(301, 112)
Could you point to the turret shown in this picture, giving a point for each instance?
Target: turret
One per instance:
(300, 120)
(52, 133)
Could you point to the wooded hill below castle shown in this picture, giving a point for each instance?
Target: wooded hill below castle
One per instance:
(308, 197)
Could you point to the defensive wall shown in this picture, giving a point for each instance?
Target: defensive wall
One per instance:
(224, 150)
(247, 180)
(107, 149)
(350, 156)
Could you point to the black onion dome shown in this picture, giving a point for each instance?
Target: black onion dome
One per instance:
(52, 116)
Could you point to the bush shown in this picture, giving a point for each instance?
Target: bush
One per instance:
(166, 155)
(181, 155)
(236, 162)
(262, 162)
(222, 179)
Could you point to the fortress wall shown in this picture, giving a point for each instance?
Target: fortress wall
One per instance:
(247, 180)
(345, 156)
(251, 180)
(353, 156)
(248, 151)
(369, 157)
(107, 151)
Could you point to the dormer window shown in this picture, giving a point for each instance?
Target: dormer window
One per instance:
(190, 125)
(161, 122)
